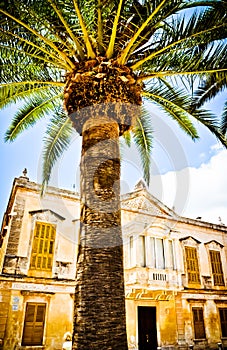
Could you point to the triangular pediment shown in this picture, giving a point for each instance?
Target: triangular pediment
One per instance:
(189, 241)
(46, 215)
(142, 201)
(214, 244)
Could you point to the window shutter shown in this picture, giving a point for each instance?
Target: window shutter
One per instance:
(199, 328)
(223, 319)
(216, 265)
(192, 265)
(34, 324)
(43, 247)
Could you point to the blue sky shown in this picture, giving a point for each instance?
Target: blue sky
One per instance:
(189, 176)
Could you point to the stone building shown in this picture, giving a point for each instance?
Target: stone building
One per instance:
(175, 272)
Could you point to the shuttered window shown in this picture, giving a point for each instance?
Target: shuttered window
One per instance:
(215, 258)
(192, 265)
(34, 324)
(43, 247)
(223, 319)
(198, 321)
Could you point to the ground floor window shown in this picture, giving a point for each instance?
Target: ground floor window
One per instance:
(198, 321)
(34, 324)
(223, 319)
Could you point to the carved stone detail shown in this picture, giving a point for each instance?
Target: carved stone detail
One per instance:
(190, 241)
(143, 204)
(214, 245)
(15, 265)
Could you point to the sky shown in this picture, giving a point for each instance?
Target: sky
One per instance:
(188, 176)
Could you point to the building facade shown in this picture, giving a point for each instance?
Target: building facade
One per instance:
(175, 272)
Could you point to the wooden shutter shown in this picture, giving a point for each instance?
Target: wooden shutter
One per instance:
(223, 319)
(34, 324)
(216, 265)
(192, 265)
(198, 320)
(43, 247)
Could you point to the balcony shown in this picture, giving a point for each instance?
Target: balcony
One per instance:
(151, 277)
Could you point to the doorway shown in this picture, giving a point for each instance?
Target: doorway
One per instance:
(147, 330)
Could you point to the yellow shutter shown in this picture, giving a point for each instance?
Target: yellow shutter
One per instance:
(42, 248)
(216, 265)
(192, 265)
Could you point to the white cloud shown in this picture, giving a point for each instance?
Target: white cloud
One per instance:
(197, 192)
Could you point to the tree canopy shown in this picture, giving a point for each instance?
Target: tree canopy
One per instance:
(166, 44)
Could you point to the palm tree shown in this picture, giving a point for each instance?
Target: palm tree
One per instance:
(87, 65)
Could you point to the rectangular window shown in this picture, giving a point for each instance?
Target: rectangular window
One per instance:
(34, 324)
(156, 258)
(160, 260)
(198, 321)
(171, 255)
(152, 252)
(215, 258)
(192, 265)
(142, 251)
(131, 250)
(223, 319)
(43, 247)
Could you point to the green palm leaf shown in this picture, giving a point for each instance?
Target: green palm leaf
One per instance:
(175, 104)
(142, 136)
(59, 134)
(224, 120)
(30, 113)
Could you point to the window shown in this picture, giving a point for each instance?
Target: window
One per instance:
(198, 321)
(215, 258)
(223, 319)
(192, 265)
(160, 260)
(43, 247)
(131, 250)
(172, 263)
(142, 251)
(156, 256)
(34, 324)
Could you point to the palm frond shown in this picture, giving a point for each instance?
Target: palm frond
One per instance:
(142, 136)
(19, 91)
(48, 42)
(58, 137)
(174, 103)
(127, 138)
(177, 34)
(30, 113)
(110, 50)
(224, 120)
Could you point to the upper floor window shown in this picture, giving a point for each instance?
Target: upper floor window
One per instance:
(216, 265)
(142, 251)
(43, 247)
(172, 262)
(34, 324)
(199, 328)
(192, 265)
(156, 256)
(223, 319)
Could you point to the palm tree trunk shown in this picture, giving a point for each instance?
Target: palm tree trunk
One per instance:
(99, 321)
